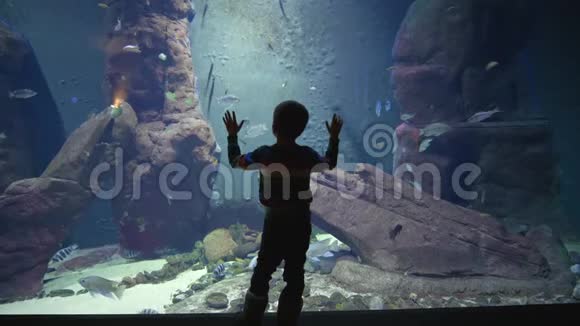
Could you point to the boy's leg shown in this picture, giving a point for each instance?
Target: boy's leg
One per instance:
(290, 302)
(269, 257)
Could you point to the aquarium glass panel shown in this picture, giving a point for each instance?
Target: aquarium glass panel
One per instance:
(178, 157)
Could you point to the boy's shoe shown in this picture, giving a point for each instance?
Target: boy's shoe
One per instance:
(253, 312)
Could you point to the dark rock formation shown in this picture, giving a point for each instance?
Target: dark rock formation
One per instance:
(36, 214)
(426, 238)
(456, 58)
(442, 51)
(31, 130)
(171, 126)
(519, 172)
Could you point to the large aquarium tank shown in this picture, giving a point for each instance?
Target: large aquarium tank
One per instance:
(456, 183)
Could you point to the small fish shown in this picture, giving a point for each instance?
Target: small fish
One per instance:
(210, 96)
(575, 269)
(395, 231)
(148, 311)
(391, 68)
(63, 254)
(406, 117)
(322, 249)
(281, 3)
(378, 108)
(228, 100)
(118, 26)
(102, 286)
(482, 116)
(284, 84)
(256, 131)
(22, 94)
(270, 46)
(409, 167)
(425, 144)
(217, 149)
(74, 100)
(162, 56)
(116, 111)
(435, 129)
(491, 65)
(132, 49)
(388, 106)
(205, 7)
(253, 263)
(312, 88)
(170, 96)
(209, 75)
(130, 254)
(3, 136)
(219, 272)
(103, 5)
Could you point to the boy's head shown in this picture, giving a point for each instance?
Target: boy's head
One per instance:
(290, 120)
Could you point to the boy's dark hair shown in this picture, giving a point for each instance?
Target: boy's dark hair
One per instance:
(290, 119)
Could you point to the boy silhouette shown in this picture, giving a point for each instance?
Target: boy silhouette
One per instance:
(285, 169)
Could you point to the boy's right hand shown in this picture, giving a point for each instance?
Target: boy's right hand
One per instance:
(335, 126)
(231, 123)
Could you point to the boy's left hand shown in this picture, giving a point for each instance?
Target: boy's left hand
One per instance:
(231, 123)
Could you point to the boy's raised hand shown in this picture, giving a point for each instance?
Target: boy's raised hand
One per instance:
(231, 123)
(335, 126)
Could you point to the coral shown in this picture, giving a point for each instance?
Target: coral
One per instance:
(219, 244)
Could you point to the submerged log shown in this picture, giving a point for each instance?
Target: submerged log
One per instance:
(425, 238)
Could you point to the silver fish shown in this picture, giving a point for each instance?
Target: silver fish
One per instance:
(406, 117)
(425, 144)
(482, 116)
(132, 49)
(491, 65)
(378, 108)
(22, 94)
(63, 254)
(321, 249)
(3, 137)
(253, 262)
(435, 129)
(256, 131)
(102, 286)
(119, 25)
(228, 100)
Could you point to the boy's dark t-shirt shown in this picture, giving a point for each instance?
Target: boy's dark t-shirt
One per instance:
(284, 169)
